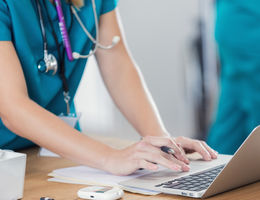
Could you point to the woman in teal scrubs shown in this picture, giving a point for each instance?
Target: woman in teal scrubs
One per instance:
(31, 101)
(238, 38)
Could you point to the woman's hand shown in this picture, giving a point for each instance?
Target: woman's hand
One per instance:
(191, 145)
(146, 154)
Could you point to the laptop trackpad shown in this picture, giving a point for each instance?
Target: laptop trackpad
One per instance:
(148, 181)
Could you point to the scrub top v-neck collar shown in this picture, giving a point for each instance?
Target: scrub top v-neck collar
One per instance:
(51, 9)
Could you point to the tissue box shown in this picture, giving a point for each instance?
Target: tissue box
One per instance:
(12, 171)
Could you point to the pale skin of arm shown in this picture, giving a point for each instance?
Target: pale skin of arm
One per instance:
(128, 90)
(27, 119)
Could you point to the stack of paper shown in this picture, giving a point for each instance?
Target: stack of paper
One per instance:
(90, 176)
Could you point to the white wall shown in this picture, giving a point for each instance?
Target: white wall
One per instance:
(159, 35)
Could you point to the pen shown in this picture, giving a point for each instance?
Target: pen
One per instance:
(46, 198)
(167, 150)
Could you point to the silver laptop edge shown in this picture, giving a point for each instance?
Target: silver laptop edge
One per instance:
(241, 169)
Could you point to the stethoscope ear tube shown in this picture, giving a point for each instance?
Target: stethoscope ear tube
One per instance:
(115, 39)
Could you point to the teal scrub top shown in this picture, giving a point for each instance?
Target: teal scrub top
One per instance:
(237, 29)
(238, 38)
(19, 23)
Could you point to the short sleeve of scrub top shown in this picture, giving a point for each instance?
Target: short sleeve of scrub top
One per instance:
(16, 25)
(5, 23)
(108, 5)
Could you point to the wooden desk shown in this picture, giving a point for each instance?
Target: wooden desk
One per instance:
(36, 184)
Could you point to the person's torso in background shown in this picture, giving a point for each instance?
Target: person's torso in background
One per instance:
(238, 26)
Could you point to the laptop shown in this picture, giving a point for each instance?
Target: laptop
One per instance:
(207, 178)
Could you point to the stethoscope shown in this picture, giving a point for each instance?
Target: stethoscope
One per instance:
(49, 62)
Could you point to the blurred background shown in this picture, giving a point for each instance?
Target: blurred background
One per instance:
(173, 44)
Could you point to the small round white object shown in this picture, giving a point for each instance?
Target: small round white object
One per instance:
(100, 193)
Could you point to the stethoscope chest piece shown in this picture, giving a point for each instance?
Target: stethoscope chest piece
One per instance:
(49, 63)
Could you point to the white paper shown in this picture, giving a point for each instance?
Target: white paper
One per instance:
(90, 176)
(129, 189)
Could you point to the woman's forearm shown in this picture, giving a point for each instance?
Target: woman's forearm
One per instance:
(124, 81)
(129, 92)
(29, 120)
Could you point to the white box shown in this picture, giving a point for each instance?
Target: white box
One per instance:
(12, 172)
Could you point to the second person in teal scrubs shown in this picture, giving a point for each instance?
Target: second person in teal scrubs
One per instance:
(238, 38)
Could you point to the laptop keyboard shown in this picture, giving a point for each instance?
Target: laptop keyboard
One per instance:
(194, 182)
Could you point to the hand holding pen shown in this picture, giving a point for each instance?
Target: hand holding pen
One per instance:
(151, 150)
(144, 154)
